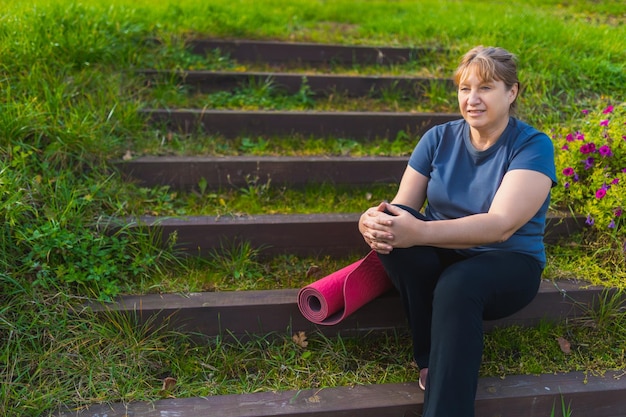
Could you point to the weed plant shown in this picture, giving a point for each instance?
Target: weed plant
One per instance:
(68, 106)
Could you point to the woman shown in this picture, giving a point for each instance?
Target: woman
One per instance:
(476, 253)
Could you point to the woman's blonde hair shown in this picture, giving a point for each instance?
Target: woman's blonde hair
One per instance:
(490, 63)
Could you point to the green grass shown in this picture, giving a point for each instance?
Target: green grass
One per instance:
(259, 196)
(173, 143)
(82, 360)
(69, 96)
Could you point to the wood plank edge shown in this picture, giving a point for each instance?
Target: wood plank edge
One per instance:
(513, 396)
(241, 314)
(330, 234)
(277, 51)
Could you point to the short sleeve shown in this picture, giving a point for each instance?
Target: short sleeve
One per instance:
(424, 152)
(536, 154)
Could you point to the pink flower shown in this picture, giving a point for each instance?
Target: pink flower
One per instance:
(600, 193)
(568, 172)
(585, 112)
(615, 181)
(565, 147)
(609, 109)
(605, 150)
(604, 122)
(580, 136)
(618, 212)
(585, 149)
(569, 137)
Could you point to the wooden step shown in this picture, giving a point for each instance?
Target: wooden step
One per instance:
(361, 126)
(331, 234)
(512, 396)
(277, 52)
(240, 314)
(185, 173)
(291, 83)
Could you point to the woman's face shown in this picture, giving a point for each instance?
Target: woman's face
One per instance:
(485, 104)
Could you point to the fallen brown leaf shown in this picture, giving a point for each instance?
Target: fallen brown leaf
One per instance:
(168, 384)
(565, 345)
(300, 339)
(313, 271)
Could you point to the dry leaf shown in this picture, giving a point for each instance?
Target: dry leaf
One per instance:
(168, 384)
(314, 399)
(300, 339)
(313, 271)
(208, 366)
(127, 156)
(565, 345)
(380, 58)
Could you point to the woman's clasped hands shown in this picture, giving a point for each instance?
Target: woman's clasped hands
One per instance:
(387, 226)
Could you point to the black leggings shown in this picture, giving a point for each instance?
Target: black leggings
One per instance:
(446, 297)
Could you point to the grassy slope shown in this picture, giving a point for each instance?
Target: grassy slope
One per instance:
(68, 104)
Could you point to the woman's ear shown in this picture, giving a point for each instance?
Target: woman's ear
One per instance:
(513, 92)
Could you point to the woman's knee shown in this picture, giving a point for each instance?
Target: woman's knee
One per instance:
(456, 289)
(409, 266)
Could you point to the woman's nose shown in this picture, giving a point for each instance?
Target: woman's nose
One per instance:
(473, 97)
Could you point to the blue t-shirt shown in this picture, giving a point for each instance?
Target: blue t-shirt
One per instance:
(463, 181)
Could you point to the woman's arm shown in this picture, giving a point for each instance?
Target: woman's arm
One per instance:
(412, 189)
(519, 197)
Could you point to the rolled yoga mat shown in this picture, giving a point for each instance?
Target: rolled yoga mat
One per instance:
(334, 297)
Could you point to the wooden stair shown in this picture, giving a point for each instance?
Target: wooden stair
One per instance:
(317, 54)
(356, 125)
(185, 173)
(290, 83)
(327, 234)
(512, 396)
(240, 314)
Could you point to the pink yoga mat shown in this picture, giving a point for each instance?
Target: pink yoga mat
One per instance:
(334, 297)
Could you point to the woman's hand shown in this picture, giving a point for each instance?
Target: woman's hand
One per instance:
(386, 227)
(373, 225)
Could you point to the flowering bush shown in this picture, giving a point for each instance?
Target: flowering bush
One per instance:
(591, 168)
